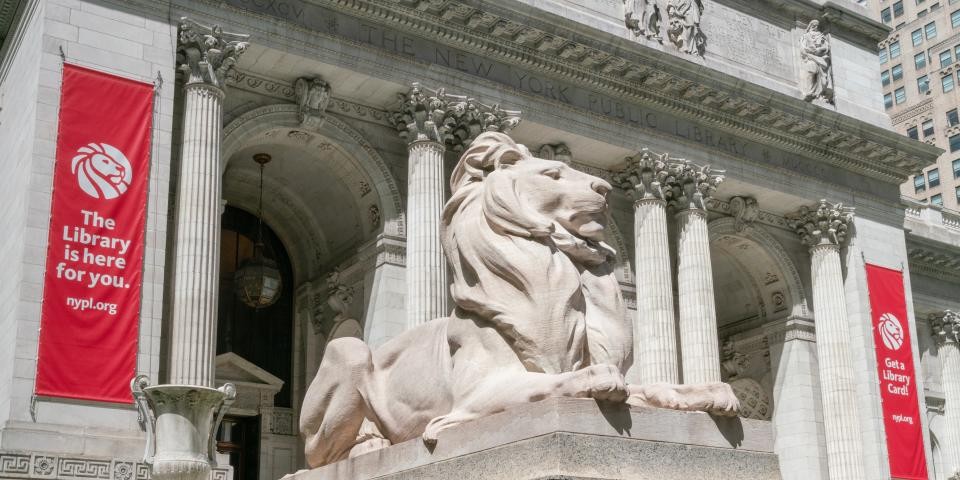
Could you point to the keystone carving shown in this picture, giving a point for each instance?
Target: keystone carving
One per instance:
(453, 120)
(559, 152)
(206, 54)
(313, 95)
(822, 224)
(745, 211)
(945, 326)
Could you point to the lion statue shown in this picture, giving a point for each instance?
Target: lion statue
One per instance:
(538, 314)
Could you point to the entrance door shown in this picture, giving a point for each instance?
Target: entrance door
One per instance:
(239, 437)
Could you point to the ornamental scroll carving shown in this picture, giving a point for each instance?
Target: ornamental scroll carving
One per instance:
(206, 54)
(453, 120)
(745, 211)
(313, 95)
(822, 224)
(945, 326)
(682, 184)
(816, 65)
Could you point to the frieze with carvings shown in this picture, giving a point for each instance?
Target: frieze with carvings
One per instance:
(46, 466)
(850, 145)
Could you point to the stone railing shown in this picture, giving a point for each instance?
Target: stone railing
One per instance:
(932, 214)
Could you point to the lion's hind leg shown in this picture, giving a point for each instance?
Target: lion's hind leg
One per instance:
(334, 408)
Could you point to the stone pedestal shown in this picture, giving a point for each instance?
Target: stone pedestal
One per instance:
(576, 439)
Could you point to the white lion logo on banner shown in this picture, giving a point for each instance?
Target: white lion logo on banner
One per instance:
(102, 170)
(891, 332)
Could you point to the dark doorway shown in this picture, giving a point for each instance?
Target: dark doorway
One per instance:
(239, 438)
(262, 336)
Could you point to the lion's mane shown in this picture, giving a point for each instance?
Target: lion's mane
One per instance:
(551, 295)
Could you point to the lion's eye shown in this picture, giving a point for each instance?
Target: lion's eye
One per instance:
(553, 173)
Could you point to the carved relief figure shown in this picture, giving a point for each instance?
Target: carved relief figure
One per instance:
(313, 95)
(684, 25)
(643, 18)
(538, 314)
(816, 69)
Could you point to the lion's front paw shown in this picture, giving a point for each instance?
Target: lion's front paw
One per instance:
(724, 402)
(604, 382)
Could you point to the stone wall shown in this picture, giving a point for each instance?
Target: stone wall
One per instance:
(133, 40)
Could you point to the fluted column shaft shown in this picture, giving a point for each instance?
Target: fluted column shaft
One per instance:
(426, 265)
(656, 344)
(949, 355)
(946, 328)
(697, 312)
(196, 262)
(844, 448)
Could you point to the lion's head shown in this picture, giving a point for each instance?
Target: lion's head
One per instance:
(524, 236)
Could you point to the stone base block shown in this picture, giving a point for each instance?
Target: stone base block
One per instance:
(576, 439)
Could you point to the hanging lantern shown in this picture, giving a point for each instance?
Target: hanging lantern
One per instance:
(257, 281)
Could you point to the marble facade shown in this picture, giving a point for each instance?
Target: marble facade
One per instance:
(659, 100)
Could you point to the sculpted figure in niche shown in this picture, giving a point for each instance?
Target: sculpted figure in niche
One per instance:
(816, 70)
(538, 314)
(643, 18)
(684, 25)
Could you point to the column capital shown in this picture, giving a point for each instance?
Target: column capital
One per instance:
(206, 54)
(691, 185)
(822, 224)
(945, 326)
(644, 176)
(452, 120)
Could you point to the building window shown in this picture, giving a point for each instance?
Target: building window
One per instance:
(955, 19)
(947, 83)
(900, 95)
(895, 50)
(885, 78)
(956, 168)
(898, 8)
(952, 118)
(923, 85)
(956, 51)
(885, 15)
(922, 13)
(896, 72)
(957, 193)
(946, 58)
(919, 184)
(930, 30)
(933, 178)
(887, 100)
(912, 133)
(927, 127)
(917, 36)
(937, 200)
(919, 60)
(935, 6)
(955, 143)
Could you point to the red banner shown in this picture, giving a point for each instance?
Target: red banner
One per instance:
(898, 387)
(91, 292)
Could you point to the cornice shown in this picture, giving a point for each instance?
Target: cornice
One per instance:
(933, 262)
(913, 111)
(654, 78)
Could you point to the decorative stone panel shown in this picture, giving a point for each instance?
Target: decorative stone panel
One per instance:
(57, 467)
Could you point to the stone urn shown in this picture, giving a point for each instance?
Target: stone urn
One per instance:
(181, 423)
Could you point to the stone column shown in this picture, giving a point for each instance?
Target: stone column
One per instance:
(946, 328)
(205, 54)
(691, 185)
(432, 122)
(655, 341)
(823, 228)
